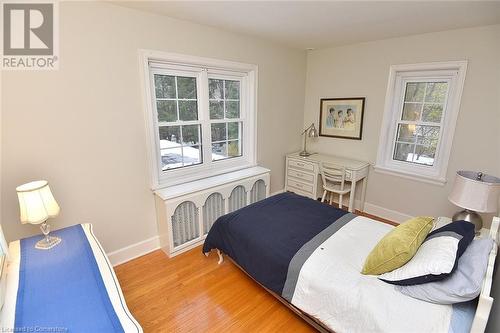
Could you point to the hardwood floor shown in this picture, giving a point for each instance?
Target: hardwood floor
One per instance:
(191, 293)
(373, 217)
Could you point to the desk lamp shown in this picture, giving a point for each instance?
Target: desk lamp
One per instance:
(310, 132)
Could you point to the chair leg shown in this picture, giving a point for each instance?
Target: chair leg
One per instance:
(324, 196)
(340, 200)
(331, 198)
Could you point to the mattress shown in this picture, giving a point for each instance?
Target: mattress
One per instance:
(127, 322)
(311, 254)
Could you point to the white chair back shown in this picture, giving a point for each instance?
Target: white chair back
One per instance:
(332, 174)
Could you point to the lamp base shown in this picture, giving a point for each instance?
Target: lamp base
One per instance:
(469, 216)
(47, 243)
(305, 153)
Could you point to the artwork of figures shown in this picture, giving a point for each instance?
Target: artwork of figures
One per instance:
(342, 117)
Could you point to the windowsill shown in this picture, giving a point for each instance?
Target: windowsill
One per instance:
(412, 176)
(174, 191)
(190, 174)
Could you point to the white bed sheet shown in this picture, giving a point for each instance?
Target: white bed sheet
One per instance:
(7, 316)
(331, 288)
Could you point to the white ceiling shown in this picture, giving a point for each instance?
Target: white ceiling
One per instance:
(312, 24)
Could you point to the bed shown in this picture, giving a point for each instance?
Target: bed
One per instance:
(291, 244)
(69, 288)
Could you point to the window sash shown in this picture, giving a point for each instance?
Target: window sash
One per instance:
(400, 97)
(241, 119)
(159, 124)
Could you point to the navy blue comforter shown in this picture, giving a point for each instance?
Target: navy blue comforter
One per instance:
(264, 237)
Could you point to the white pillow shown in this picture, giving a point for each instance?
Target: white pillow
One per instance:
(435, 256)
(464, 284)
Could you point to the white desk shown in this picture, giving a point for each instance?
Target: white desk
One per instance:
(303, 175)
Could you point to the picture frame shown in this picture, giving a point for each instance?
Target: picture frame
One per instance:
(342, 117)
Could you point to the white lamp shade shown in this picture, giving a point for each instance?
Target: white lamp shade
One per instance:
(36, 202)
(477, 195)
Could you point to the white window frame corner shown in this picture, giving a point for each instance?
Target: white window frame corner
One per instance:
(158, 178)
(435, 174)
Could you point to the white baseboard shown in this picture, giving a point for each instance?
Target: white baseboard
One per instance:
(133, 251)
(386, 213)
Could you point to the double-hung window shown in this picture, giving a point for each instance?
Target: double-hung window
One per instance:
(422, 105)
(201, 116)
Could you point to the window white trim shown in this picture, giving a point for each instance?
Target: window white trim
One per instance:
(247, 73)
(454, 73)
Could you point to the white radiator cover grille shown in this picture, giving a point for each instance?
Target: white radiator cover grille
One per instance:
(212, 210)
(237, 199)
(258, 191)
(185, 223)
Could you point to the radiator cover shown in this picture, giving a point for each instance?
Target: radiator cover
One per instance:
(186, 212)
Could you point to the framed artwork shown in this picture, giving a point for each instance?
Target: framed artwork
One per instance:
(341, 117)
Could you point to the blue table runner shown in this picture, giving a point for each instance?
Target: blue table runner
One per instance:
(61, 289)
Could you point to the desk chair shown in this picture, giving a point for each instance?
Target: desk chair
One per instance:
(333, 177)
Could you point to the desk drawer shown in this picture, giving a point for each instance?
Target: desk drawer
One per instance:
(301, 175)
(301, 165)
(300, 186)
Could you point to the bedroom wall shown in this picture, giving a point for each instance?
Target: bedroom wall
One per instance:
(82, 127)
(363, 70)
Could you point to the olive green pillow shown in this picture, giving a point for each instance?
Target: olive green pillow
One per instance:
(398, 246)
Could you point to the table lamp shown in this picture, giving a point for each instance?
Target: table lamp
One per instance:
(36, 205)
(310, 132)
(475, 192)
